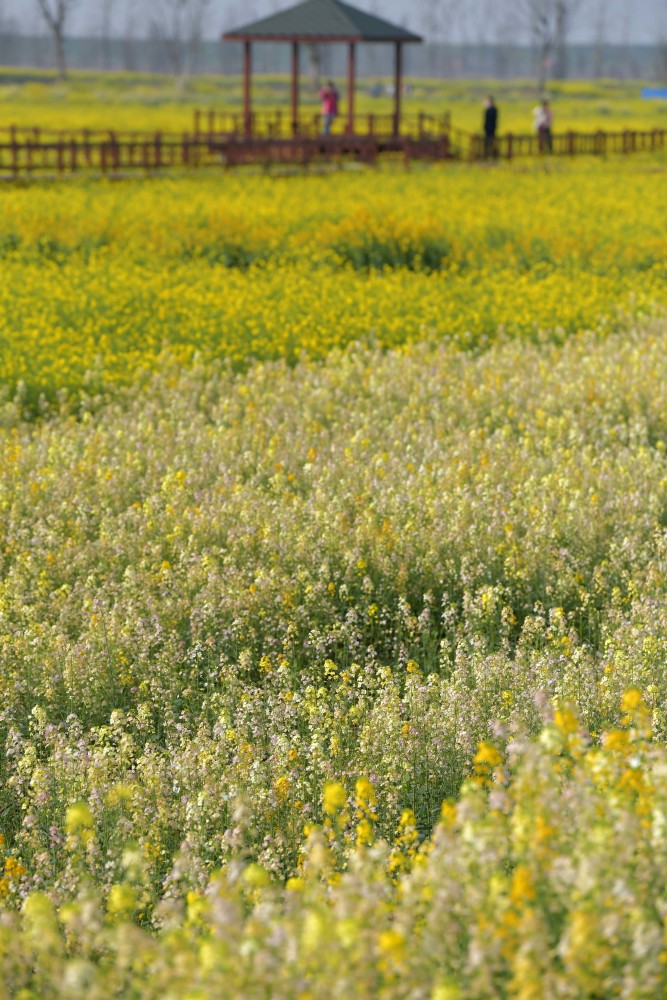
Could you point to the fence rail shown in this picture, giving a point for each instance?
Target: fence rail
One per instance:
(279, 125)
(40, 151)
(510, 146)
(26, 152)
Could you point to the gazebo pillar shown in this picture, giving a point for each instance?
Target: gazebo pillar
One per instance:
(295, 88)
(351, 53)
(398, 72)
(247, 71)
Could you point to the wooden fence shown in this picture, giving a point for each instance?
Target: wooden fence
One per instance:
(279, 125)
(26, 152)
(508, 147)
(35, 152)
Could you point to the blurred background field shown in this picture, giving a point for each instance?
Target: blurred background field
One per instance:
(147, 102)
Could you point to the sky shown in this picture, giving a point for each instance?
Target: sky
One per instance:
(634, 21)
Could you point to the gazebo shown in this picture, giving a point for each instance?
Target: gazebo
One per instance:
(321, 21)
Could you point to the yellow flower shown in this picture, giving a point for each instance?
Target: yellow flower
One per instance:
(448, 813)
(122, 900)
(256, 876)
(487, 754)
(364, 833)
(446, 991)
(617, 740)
(282, 787)
(364, 792)
(522, 890)
(334, 798)
(295, 884)
(78, 817)
(632, 699)
(392, 943)
(566, 720)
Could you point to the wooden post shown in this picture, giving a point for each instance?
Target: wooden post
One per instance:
(113, 150)
(398, 69)
(15, 150)
(351, 51)
(510, 144)
(247, 70)
(295, 88)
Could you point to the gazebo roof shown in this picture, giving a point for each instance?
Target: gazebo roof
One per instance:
(321, 21)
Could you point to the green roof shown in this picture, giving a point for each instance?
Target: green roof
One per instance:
(323, 20)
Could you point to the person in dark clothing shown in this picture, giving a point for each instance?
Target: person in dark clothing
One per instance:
(542, 121)
(490, 127)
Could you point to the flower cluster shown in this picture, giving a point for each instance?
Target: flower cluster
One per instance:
(99, 284)
(549, 883)
(223, 587)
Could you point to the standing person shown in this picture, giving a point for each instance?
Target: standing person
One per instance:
(542, 122)
(329, 98)
(490, 127)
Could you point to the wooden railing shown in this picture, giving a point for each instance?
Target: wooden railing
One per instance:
(279, 125)
(26, 152)
(510, 146)
(45, 151)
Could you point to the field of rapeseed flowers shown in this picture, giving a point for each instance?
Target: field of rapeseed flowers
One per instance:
(256, 627)
(100, 279)
(333, 565)
(143, 101)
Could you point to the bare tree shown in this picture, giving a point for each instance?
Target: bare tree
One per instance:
(661, 59)
(601, 25)
(548, 22)
(565, 13)
(5, 28)
(440, 21)
(106, 10)
(485, 22)
(179, 25)
(55, 14)
(661, 54)
(129, 44)
(430, 22)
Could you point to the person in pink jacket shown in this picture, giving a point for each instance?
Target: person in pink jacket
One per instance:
(329, 98)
